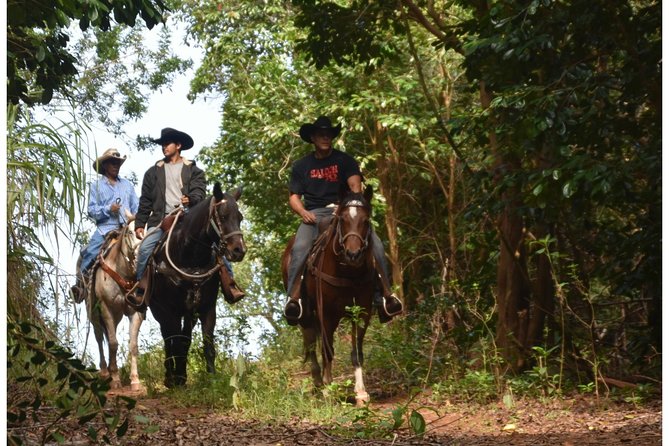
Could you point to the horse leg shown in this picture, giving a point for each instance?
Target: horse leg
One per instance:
(327, 348)
(100, 339)
(169, 329)
(135, 322)
(358, 330)
(309, 338)
(95, 317)
(110, 325)
(182, 345)
(208, 322)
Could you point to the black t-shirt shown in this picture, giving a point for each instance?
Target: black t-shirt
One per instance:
(318, 180)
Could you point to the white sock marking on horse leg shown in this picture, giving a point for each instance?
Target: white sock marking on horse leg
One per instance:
(361, 394)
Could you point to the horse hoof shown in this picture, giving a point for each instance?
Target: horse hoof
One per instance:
(174, 382)
(135, 387)
(361, 399)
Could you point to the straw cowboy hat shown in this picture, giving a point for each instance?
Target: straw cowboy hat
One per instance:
(322, 123)
(109, 154)
(168, 135)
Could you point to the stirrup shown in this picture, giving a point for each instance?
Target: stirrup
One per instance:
(385, 308)
(133, 296)
(291, 318)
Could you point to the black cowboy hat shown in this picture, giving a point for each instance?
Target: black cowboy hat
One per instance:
(322, 123)
(109, 154)
(168, 135)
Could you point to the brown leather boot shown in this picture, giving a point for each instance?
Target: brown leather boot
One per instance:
(135, 297)
(231, 291)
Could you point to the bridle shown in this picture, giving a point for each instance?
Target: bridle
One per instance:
(217, 225)
(339, 238)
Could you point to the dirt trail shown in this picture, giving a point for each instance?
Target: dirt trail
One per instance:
(576, 422)
(568, 422)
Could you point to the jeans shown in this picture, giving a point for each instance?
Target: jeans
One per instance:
(305, 237)
(146, 248)
(91, 251)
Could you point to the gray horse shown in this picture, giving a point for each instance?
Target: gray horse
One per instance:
(106, 304)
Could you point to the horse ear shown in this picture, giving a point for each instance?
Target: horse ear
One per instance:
(237, 193)
(218, 192)
(368, 193)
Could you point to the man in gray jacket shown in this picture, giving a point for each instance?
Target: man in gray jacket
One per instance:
(171, 183)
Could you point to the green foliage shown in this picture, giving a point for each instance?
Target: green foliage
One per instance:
(50, 386)
(38, 62)
(354, 43)
(574, 111)
(119, 68)
(44, 177)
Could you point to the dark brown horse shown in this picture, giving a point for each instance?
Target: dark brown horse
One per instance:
(340, 278)
(185, 280)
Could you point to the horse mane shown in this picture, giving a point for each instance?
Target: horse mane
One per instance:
(193, 226)
(197, 216)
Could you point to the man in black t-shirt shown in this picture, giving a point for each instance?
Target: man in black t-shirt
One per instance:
(314, 187)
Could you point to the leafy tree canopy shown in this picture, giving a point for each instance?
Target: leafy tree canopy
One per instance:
(38, 61)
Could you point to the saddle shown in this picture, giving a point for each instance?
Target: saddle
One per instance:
(85, 284)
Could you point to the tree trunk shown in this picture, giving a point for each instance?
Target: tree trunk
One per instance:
(385, 166)
(513, 288)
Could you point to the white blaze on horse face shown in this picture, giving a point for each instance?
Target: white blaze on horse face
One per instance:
(353, 207)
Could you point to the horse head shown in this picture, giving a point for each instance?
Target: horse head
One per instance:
(227, 219)
(130, 243)
(354, 226)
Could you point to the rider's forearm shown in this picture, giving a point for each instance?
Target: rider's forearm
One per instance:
(295, 202)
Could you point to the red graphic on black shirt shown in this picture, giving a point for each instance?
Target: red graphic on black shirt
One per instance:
(330, 173)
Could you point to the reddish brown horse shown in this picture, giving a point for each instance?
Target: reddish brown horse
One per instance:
(339, 282)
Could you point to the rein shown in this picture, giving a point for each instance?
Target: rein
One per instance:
(215, 221)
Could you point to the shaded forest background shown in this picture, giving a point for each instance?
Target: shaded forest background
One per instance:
(515, 148)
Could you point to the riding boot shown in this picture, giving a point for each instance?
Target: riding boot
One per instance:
(293, 309)
(135, 297)
(78, 290)
(386, 301)
(231, 291)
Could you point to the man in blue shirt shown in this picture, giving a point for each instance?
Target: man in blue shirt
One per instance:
(112, 200)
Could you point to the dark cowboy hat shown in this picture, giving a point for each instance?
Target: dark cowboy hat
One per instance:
(168, 135)
(322, 123)
(109, 154)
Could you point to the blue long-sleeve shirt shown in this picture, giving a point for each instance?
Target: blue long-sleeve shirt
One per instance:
(103, 194)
